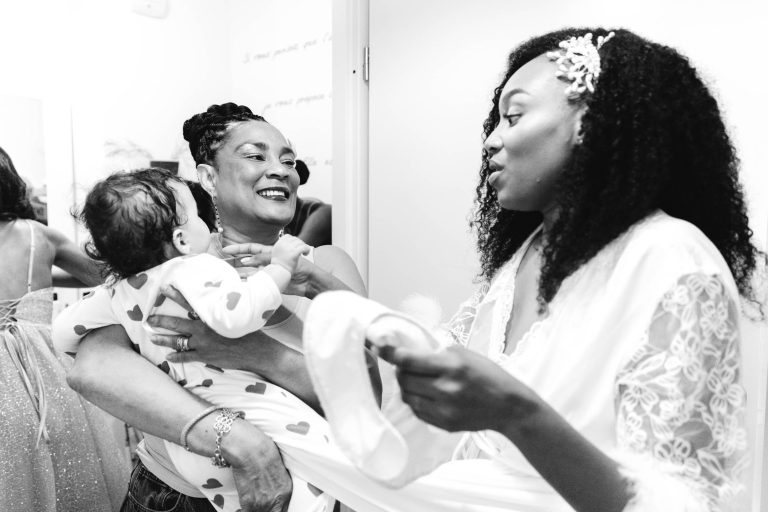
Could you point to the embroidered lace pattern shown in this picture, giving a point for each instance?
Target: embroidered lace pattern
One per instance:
(679, 396)
(460, 325)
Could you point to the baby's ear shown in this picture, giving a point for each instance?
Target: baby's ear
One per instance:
(180, 241)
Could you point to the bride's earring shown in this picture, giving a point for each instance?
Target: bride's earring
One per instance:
(281, 233)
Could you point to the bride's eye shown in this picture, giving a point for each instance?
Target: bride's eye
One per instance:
(512, 119)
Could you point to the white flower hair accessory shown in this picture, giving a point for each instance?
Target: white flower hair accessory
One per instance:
(579, 62)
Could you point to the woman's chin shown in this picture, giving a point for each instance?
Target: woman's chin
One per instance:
(275, 212)
(517, 205)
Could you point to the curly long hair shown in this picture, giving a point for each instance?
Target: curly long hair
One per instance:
(131, 217)
(652, 138)
(207, 130)
(14, 199)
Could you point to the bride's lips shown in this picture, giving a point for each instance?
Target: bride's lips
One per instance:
(496, 169)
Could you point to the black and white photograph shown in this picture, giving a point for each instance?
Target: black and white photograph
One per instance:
(383, 256)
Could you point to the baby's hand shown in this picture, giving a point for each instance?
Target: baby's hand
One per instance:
(287, 252)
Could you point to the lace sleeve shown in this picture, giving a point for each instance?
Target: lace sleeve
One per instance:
(460, 324)
(680, 405)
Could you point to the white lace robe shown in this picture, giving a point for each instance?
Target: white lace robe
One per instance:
(640, 353)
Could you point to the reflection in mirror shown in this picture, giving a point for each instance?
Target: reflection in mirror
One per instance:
(21, 136)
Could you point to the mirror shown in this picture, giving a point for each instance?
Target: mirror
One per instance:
(21, 136)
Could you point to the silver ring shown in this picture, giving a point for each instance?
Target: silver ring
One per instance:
(182, 343)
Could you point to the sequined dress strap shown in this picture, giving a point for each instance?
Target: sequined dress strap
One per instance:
(31, 255)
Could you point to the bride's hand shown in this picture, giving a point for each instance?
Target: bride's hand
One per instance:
(457, 389)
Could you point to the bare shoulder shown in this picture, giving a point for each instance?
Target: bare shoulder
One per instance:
(337, 262)
(54, 236)
(329, 256)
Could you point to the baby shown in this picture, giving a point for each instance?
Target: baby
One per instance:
(146, 230)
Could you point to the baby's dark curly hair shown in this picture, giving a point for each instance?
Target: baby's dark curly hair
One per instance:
(131, 217)
(653, 138)
(14, 199)
(206, 131)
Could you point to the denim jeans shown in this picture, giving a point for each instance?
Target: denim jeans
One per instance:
(147, 493)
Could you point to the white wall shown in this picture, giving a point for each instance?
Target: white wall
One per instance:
(103, 72)
(280, 55)
(21, 136)
(138, 78)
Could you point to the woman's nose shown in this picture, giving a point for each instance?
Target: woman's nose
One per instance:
(493, 143)
(277, 170)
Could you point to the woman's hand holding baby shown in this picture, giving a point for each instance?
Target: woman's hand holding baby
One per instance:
(205, 345)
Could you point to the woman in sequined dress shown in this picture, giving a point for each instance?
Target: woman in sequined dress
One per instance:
(58, 452)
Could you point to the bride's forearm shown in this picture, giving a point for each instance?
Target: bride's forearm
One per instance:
(583, 475)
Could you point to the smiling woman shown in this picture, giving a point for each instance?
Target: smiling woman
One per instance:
(255, 170)
(247, 166)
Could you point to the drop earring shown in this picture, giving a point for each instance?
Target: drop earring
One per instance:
(281, 233)
(219, 228)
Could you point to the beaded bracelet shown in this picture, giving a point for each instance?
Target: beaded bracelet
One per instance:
(191, 423)
(222, 426)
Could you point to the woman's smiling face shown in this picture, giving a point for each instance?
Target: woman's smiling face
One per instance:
(535, 137)
(256, 178)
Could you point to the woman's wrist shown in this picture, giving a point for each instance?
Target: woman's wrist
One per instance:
(243, 442)
(526, 417)
(237, 445)
(581, 473)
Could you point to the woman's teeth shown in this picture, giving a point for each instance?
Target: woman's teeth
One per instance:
(273, 194)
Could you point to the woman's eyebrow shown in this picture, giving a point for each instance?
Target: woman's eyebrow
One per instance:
(260, 145)
(512, 92)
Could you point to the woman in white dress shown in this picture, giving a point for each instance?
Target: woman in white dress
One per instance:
(603, 355)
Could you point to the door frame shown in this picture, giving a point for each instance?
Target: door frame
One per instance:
(350, 130)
